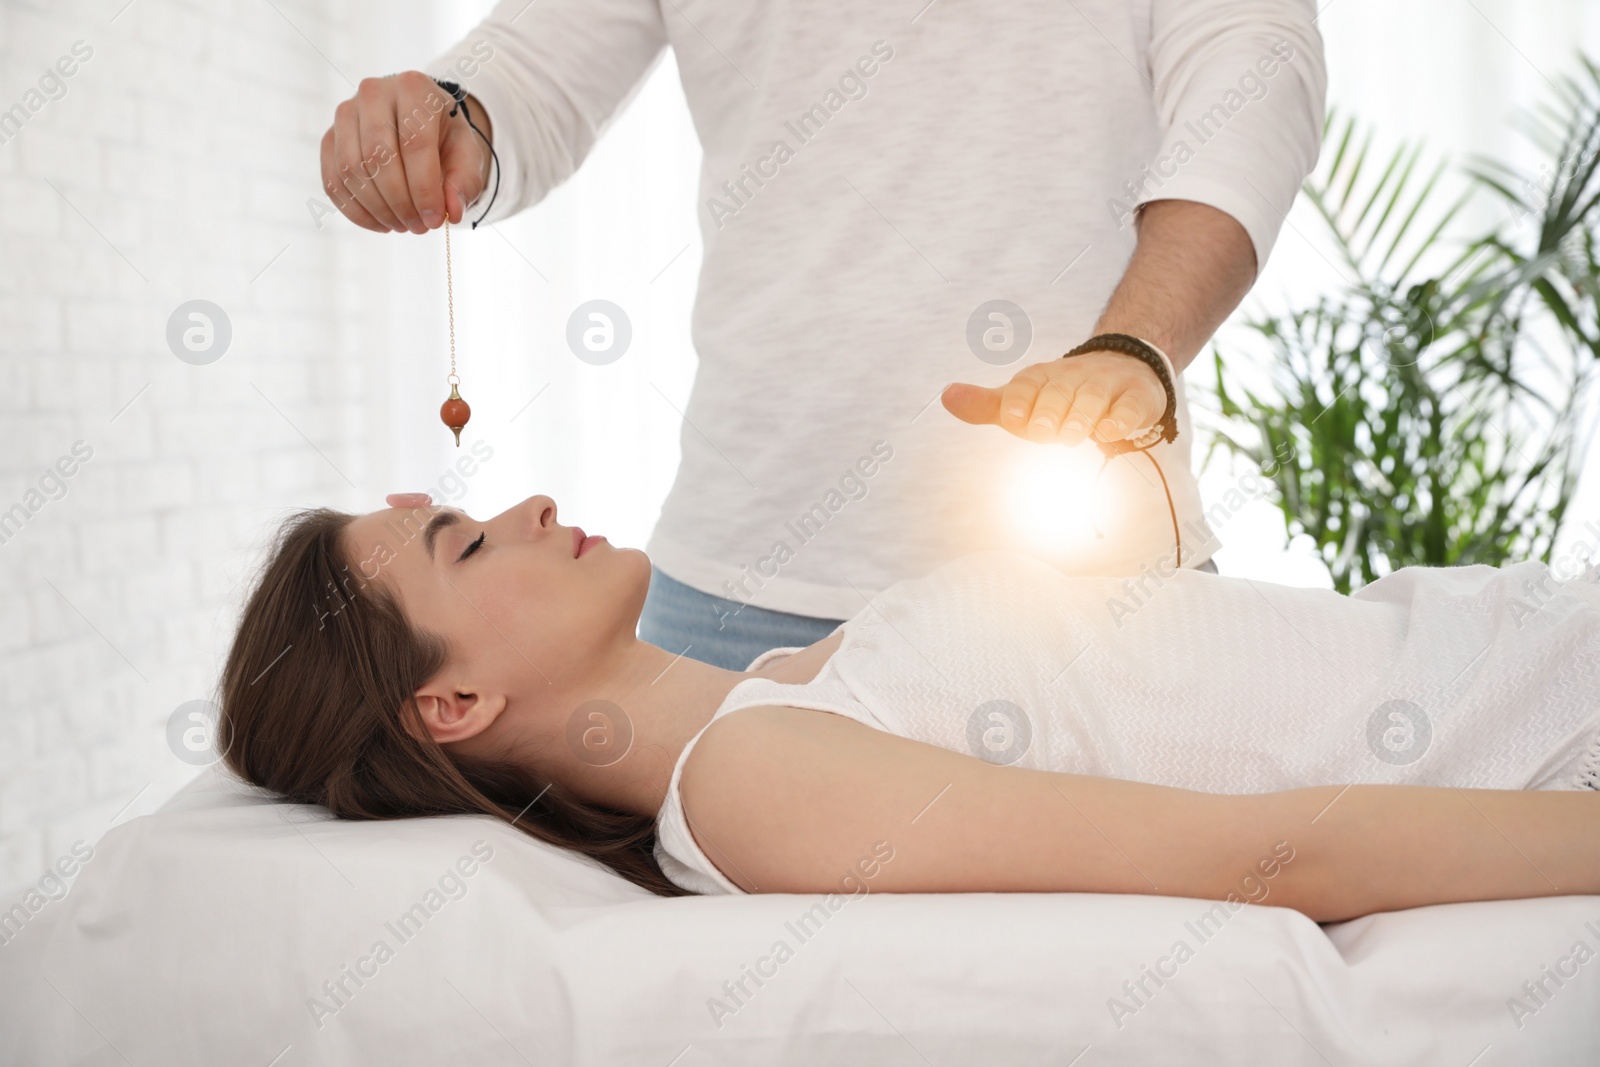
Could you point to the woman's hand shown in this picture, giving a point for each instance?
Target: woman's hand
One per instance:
(394, 160)
(1108, 394)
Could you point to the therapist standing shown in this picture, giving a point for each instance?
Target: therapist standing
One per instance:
(894, 198)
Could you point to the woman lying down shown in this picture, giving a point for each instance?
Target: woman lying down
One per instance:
(993, 726)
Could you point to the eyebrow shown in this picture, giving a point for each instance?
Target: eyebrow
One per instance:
(430, 533)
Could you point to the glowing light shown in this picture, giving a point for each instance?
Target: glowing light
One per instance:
(1054, 500)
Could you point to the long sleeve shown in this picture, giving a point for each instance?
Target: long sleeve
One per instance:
(1240, 89)
(552, 74)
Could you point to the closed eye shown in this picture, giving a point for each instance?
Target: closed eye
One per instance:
(470, 549)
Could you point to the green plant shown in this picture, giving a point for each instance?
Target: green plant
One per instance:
(1436, 411)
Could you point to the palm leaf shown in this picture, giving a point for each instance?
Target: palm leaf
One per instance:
(1415, 417)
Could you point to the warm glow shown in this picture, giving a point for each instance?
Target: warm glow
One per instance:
(1054, 500)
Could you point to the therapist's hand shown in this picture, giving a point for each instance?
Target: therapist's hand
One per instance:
(394, 160)
(1106, 395)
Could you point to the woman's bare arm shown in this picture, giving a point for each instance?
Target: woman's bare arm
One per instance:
(787, 800)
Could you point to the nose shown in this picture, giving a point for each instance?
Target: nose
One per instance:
(539, 512)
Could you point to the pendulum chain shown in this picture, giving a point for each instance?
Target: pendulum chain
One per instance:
(454, 412)
(450, 301)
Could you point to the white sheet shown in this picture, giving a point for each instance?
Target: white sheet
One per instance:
(199, 934)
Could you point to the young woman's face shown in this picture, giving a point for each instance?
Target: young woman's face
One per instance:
(522, 602)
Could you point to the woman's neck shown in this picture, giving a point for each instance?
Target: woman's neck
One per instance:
(662, 700)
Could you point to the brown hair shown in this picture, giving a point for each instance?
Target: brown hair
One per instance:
(317, 707)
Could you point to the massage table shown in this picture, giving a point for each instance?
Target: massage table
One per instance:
(230, 928)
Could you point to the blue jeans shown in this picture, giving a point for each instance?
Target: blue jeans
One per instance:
(718, 631)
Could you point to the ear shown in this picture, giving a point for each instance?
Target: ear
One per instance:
(450, 715)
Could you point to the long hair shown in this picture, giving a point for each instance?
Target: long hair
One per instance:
(318, 707)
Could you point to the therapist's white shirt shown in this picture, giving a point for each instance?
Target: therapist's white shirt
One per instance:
(889, 169)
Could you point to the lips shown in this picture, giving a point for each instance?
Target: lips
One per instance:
(582, 543)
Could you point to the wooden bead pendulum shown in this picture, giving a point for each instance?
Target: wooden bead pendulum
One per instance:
(454, 412)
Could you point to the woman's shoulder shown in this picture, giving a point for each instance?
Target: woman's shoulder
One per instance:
(728, 745)
(750, 766)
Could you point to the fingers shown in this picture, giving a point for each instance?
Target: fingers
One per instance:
(1017, 399)
(408, 500)
(1050, 409)
(1129, 412)
(1137, 400)
(972, 403)
(464, 158)
(353, 171)
(341, 197)
(421, 145)
(388, 156)
(1108, 396)
(380, 143)
(1090, 402)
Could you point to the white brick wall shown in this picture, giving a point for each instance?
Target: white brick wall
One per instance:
(189, 142)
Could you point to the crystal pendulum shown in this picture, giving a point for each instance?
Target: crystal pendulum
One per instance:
(454, 412)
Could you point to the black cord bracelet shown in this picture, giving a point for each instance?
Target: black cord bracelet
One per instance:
(1166, 427)
(459, 96)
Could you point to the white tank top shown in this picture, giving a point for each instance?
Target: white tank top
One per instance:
(1473, 677)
